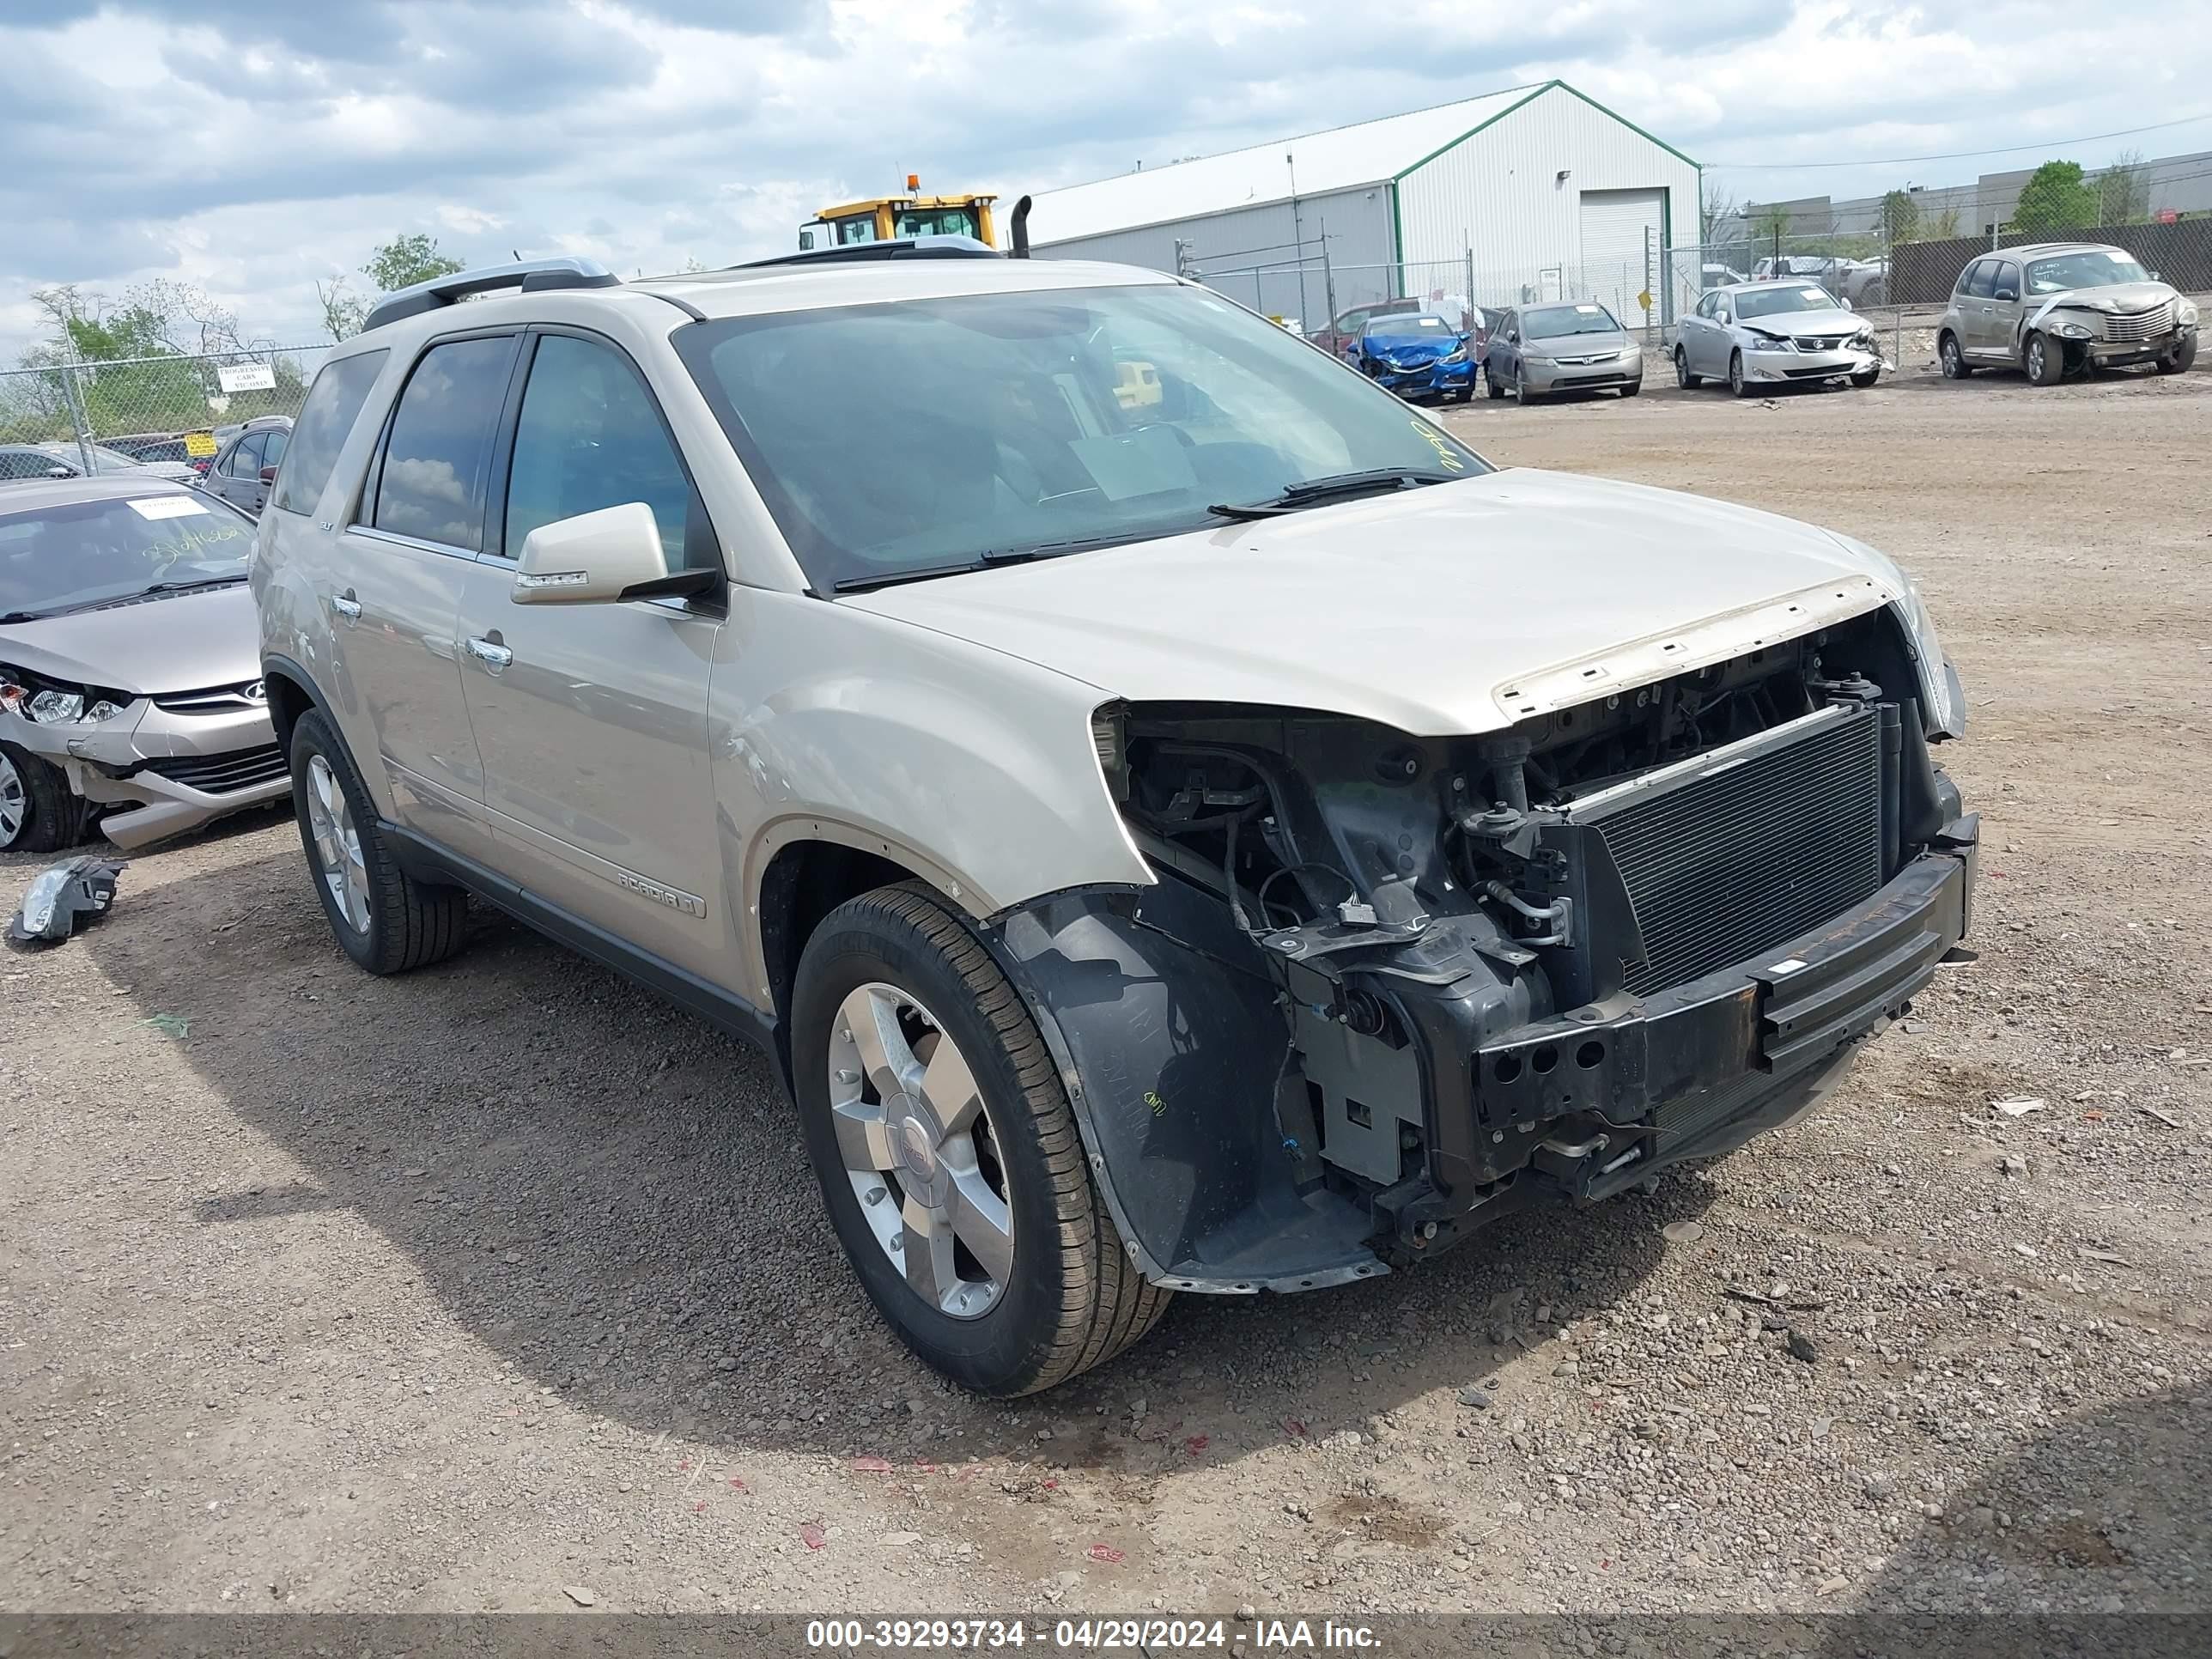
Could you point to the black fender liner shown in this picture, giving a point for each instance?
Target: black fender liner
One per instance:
(1171, 1043)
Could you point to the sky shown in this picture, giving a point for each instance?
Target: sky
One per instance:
(255, 146)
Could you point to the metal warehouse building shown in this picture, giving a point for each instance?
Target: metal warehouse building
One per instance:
(1533, 192)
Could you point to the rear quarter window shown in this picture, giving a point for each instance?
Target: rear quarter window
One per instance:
(334, 404)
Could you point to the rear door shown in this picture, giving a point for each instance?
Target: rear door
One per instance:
(1974, 307)
(592, 718)
(417, 533)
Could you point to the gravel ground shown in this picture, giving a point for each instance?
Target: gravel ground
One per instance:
(505, 1285)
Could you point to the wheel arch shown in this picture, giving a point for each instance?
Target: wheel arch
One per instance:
(291, 693)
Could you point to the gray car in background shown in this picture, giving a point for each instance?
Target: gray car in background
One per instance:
(130, 694)
(245, 466)
(1576, 345)
(1753, 335)
(2054, 307)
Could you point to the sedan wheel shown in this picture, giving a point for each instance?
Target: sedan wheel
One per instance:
(1683, 378)
(2046, 361)
(38, 812)
(919, 1151)
(15, 802)
(1956, 366)
(1737, 384)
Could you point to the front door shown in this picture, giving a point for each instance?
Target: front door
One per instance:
(592, 718)
(2004, 310)
(418, 535)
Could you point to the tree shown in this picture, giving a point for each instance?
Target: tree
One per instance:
(2123, 191)
(1717, 214)
(1900, 217)
(400, 263)
(2057, 197)
(406, 260)
(1946, 228)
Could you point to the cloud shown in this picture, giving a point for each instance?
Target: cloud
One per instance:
(257, 148)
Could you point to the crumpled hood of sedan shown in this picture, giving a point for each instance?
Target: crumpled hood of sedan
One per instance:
(175, 642)
(1454, 608)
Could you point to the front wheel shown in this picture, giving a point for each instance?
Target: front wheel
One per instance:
(385, 919)
(948, 1154)
(39, 813)
(1683, 378)
(1736, 383)
(2046, 360)
(2177, 361)
(1521, 395)
(1631, 388)
(1867, 379)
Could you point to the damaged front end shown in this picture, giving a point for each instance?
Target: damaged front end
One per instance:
(1389, 988)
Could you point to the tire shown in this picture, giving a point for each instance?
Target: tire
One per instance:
(2177, 361)
(1862, 381)
(1521, 395)
(1053, 1292)
(2045, 359)
(1490, 382)
(1631, 388)
(385, 919)
(39, 811)
(1956, 366)
(1737, 385)
(1683, 378)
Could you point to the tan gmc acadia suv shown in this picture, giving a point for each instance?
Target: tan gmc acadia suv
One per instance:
(1229, 840)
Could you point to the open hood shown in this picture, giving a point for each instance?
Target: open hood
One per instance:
(1455, 608)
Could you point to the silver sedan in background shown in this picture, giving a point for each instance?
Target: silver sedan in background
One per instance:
(1753, 335)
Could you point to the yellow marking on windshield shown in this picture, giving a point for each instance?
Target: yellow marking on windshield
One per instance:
(1441, 444)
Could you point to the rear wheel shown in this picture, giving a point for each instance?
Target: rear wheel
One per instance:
(1683, 378)
(2046, 360)
(1490, 382)
(2177, 361)
(385, 919)
(38, 812)
(1956, 366)
(948, 1154)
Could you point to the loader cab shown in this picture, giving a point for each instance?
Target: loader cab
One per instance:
(899, 218)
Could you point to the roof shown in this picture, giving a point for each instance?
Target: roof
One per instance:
(31, 495)
(2038, 250)
(1340, 158)
(1365, 153)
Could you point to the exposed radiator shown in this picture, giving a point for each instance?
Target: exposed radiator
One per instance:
(1728, 854)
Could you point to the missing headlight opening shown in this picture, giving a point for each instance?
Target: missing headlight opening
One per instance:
(1535, 962)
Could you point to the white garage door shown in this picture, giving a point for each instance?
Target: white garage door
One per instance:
(1614, 225)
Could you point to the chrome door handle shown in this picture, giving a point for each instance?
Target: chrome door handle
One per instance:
(347, 606)
(492, 655)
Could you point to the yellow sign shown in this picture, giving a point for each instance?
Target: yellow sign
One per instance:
(199, 445)
(1645, 299)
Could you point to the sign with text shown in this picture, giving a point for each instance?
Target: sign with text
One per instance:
(246, 377)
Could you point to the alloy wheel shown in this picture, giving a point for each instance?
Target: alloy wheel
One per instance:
(1951, 359)
(918, 1146)
(337, 844)
(15, 802)
(1682, 369)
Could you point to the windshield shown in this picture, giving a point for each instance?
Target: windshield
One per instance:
(1776, 301)
(1411, 327)
(1557, 322)
(2095, 268)
(934, 432)
(77, 554)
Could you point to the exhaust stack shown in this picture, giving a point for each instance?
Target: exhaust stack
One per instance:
(1020, 227)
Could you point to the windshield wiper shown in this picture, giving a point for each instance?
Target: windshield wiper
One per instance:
(990, 559)
(23, 616)
(1314, 491)
(197, 581)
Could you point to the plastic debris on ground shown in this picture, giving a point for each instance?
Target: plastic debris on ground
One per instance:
(59, 897)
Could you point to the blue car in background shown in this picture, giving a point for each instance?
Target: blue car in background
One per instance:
(1417, 353)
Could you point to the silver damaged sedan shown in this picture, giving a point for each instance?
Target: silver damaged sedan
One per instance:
(129, 686)
(1754, 335)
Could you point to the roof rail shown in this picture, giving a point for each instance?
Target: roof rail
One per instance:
(529, 275)
(909, 247)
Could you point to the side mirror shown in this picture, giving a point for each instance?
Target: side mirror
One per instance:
(596, 558)
(2006, 294)
(2155, 277)
(1465, 335)
(269, 475)
(1723, 315)
(1513, 337)
(1846, 302)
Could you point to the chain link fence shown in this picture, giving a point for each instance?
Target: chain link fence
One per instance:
(144, 408)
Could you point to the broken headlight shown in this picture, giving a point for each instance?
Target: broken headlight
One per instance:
(58, 708)
(2073, 330)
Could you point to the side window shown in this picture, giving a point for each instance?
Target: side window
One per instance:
(272, 447)
(1966, 277)
(590, 436)
(437, 458)
(333, 405)
(1707, 305)
(2007, 280)
(1984, 281)
(245, 459)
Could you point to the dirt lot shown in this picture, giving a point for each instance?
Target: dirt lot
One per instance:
(451, 1292)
